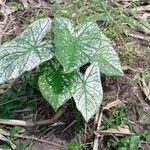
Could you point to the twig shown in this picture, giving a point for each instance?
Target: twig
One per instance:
(44, 133)
(28, 109)
(112, 104)
(95, 147)
(96, 120)
(119, 131)
(36, 139)
(145, 30)
(140, 36)
(145, 88)
(30, 123)
(31, 138)
(85, 133)
(72, 123)
(137, 70)
(142, 8)
(3, 138)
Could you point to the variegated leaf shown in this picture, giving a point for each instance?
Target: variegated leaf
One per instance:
(89, 93)
(55, 86)
(107, 58)
(26, 51)
(75, 48)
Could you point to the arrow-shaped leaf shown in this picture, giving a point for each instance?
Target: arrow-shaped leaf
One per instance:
(89, 93)
(26, 51)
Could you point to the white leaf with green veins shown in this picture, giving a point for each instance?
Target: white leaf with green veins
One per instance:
(89, 92)
(107, 58)
(75, 46)
(26, 51)
(55, 86)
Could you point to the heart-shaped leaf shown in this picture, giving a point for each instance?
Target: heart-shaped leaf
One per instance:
(107, 58)
(75, 46)
(26, 51)
(55, 86)
(89, 93)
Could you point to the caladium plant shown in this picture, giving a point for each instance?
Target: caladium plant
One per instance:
(59, 61)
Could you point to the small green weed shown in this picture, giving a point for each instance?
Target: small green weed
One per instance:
(128, 54)
(129, 142)
(74, 145)
(132, 142)
(117, 118)
(17, 6)
(15, 99)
